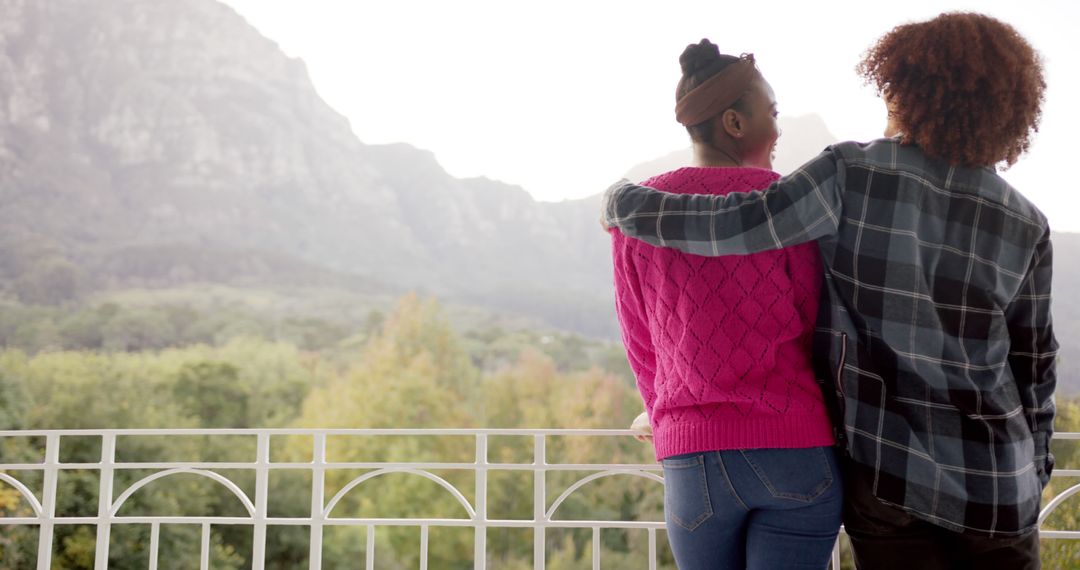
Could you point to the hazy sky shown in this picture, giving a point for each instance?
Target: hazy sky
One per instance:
(563, 97)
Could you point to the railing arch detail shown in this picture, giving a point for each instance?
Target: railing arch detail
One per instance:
(586, 480)
(24, 491)
(228, 484)
(458, 496)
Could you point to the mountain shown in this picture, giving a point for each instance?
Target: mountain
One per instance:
(157, 143)
(129, 127)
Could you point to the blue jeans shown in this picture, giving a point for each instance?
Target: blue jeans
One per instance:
(753, 508)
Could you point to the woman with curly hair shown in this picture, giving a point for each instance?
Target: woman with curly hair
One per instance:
(934, 332)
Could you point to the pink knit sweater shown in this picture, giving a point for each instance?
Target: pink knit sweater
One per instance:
(720, 346)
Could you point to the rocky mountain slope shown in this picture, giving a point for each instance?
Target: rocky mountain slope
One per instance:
(131, 126)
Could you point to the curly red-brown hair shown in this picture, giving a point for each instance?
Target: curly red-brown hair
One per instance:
(963, 87)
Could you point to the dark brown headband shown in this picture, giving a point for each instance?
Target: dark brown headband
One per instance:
(716, 93)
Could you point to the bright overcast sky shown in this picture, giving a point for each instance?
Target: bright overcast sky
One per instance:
(563, 97)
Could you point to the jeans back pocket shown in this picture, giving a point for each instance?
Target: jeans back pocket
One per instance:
(796, 474)
(686, 491)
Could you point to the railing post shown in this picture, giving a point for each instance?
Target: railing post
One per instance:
(155, 541)
(369, 550)
(204, 553)
(105, 500)
(424, 535)
(480, 544)
(652, 549)
(48, 501)
(262, 476)
(539, 501)
(318, 488)
(596, 548)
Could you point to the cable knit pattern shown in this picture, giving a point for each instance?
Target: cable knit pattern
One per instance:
(720, 346)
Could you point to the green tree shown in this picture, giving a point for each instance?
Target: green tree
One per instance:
(51, 281)
(209, 392)
(13, 398)
(414, 373)
(137, 329)
(417, 373)
(79, 389)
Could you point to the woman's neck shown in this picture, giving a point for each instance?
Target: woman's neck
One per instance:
(709, 156)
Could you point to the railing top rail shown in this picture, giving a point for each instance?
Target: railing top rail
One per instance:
(329, 431)
(352, 431)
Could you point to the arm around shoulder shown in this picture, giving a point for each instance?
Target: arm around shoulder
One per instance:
(803, 206)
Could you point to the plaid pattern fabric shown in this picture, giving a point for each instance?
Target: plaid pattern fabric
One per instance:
(935, 326)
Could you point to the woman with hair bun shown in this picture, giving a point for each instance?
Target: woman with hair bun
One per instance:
(721, 351)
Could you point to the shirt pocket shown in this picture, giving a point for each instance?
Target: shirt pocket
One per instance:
(686, 491)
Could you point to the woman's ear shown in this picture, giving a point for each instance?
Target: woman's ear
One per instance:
(731, 122)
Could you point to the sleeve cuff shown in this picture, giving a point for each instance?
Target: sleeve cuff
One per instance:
(1047, 469)
(1044, 460)
(610, 199)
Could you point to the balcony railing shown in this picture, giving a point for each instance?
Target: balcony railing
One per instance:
(545, 511)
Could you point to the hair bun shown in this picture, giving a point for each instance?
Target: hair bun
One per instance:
(699, 56)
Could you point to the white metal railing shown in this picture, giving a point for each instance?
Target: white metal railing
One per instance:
(543, 514)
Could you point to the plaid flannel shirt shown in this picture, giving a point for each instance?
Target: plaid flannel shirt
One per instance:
(934, 329)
